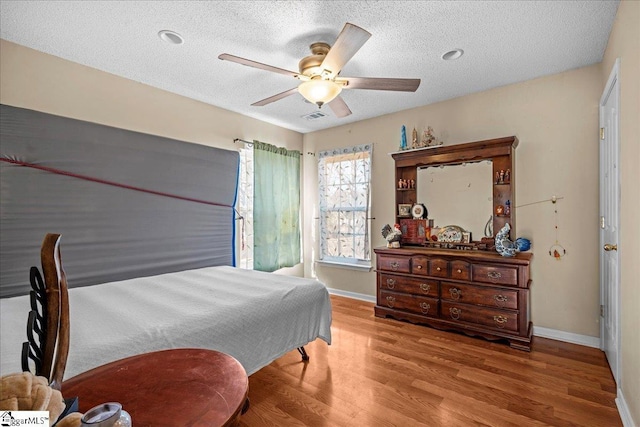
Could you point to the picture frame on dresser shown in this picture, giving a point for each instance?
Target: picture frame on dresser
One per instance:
(404, 210)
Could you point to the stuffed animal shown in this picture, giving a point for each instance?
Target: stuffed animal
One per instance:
(27, 392)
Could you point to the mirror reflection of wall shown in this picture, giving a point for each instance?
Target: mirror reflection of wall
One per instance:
(458, 195)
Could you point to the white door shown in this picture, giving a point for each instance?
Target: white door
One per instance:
(609, 221)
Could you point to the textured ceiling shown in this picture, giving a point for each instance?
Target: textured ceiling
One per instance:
(504, 42)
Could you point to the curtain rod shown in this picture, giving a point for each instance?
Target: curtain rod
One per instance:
(242, 140)
(251, 143)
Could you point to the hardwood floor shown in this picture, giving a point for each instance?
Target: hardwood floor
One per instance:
(382, 372)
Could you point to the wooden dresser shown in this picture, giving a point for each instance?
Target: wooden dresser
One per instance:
(479, 293)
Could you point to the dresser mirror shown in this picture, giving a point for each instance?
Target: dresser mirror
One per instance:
(464, 185)
(460, 194)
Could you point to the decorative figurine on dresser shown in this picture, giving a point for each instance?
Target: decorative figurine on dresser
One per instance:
(392, 235)
(462, 286)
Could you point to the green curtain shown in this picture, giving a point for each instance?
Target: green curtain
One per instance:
(276, 207)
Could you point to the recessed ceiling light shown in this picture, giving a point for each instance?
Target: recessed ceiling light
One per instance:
(170, 37)
(452, 54)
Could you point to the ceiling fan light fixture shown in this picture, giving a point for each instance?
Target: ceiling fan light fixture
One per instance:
(320, 91)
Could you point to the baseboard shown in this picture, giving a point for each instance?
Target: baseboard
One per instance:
(353, 295)
(555, 334)
(623, 410)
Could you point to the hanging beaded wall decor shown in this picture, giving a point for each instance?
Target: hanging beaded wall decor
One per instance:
(556, 250)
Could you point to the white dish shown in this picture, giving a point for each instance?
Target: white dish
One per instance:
(450, 234)
(418, 211)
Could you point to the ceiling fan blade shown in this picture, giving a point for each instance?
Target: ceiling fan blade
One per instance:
(349, 41)
(275, 97)
(339, 107)
(375, 83)
(254, 64)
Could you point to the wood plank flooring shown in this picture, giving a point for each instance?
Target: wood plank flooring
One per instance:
(382, 372)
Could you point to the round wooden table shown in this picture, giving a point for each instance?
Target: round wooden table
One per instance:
(181, 387)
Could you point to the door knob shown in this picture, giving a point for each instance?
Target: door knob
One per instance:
(609, 247)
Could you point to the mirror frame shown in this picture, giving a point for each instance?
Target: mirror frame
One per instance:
(501, 152)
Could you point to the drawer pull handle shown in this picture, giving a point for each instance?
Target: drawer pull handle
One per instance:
(395, 265)
(425, 288)
(455, 293)
(500, 300)
(494, 275)
(459, 271)
(391, 301)
(438, 269)
(391, 283)
(500, 320)
(455, 313)
(419, 267)
(424, 307)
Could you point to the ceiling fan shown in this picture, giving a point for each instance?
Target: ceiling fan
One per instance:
(319, 72)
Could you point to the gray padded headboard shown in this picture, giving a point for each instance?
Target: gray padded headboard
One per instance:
(127, 204)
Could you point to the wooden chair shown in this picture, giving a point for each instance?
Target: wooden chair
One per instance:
(48, 322)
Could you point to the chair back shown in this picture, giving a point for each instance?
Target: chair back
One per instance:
(48, 323)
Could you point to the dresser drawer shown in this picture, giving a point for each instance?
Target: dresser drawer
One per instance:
(397, 264)
(460, 270)
(409, 303)
(492, 274)
(409, 285)
(493, 318)
(480, 295)
(420, 265)
(438, 267)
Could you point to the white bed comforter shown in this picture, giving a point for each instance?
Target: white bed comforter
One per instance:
(256, 317)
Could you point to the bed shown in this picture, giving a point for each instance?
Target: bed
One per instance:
(254, 316)
(149, 229)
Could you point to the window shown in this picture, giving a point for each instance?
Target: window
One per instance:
(344, 191)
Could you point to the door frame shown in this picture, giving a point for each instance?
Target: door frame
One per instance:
(614, 79)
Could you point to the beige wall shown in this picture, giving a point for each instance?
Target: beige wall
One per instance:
(556, 121)
(624, 43)
(31, 79)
